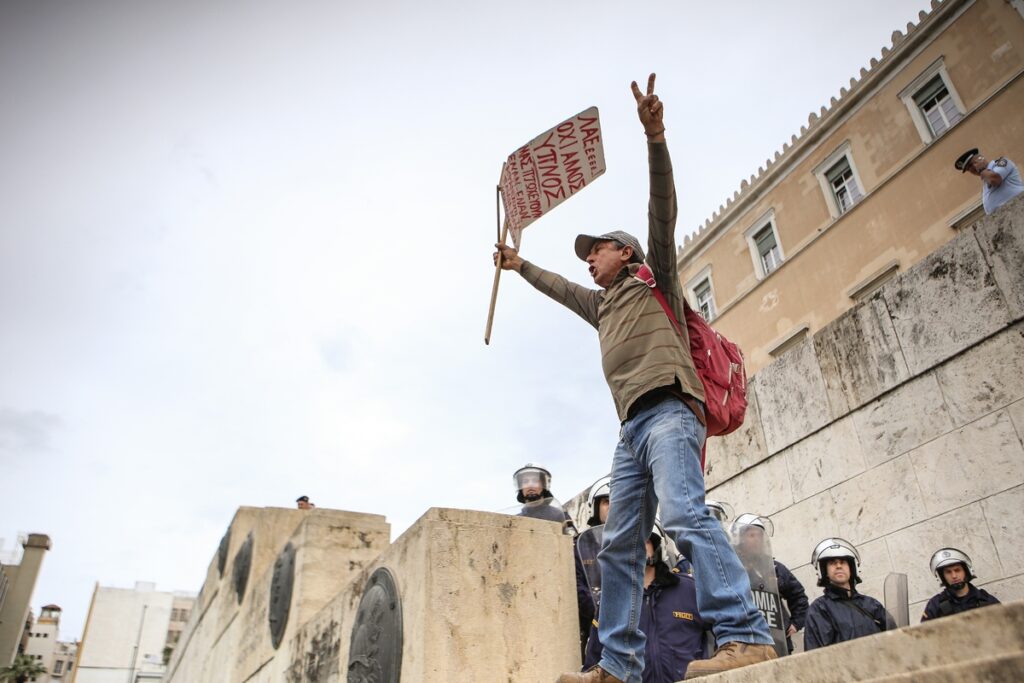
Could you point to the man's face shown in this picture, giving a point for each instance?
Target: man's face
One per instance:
(978, 164)
(605, 261)
(752, 540)
(954, 573)
(531, 485)
(838, 570)
(603, 505)
(304, 505)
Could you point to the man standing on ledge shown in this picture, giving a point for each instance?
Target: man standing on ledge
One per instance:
(658, 397)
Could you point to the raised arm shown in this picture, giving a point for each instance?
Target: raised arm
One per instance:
(580, 300)
(662, 208)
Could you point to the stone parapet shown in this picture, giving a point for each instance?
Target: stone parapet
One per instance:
(979, 645)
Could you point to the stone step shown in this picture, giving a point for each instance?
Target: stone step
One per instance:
(992, 633)
(1002, 669)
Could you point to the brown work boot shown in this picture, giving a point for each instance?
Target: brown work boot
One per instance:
(593, 675)
(730, 656)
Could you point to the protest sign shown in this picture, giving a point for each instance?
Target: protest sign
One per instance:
(549, 169)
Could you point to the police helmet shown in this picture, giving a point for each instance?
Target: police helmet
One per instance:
(528, 473)
(945, 557)
(602, 488)
(721, 511)
(748, 519)
(831, 548)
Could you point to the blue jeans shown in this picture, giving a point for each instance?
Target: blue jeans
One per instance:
(658, 459)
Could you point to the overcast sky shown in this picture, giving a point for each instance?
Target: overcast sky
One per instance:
(245, 248)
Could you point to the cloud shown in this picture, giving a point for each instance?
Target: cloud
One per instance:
(26, 432)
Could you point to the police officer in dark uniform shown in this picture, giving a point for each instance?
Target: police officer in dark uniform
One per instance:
(841, 613)
(955, 572)
(668, 617)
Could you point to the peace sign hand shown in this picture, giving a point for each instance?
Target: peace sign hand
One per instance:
(650, 110)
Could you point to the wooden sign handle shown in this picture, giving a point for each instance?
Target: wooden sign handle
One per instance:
(494, 287)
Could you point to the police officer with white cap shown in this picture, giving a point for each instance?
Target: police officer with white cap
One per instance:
(1000, 178)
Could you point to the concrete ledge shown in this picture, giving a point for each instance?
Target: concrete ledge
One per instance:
(942, 650)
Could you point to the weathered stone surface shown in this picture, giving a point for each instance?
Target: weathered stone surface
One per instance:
(729, 455)
(1003, 514)
(800, 526)
(231, 642)
(1016, 411)
(963, 528)
(989, 634)
(1002, 240)
(762, 490)
(824, 459)
(791, 397)
(985, 377)
(472, 586)
(860, 356)
(878, 501)
(1010, 589)
(944, 304)
(875, 566)
(902, 420)
(973, 462)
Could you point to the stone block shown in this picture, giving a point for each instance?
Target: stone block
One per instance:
(985, 635)
(792, 398)
(799, 527)
(729, 455)
(945, 304)
(963, 528)
(763, 489)
(1016, 411)
(971, 463)
(1003, 514)
(330, 547)
(471, 585)
(860, 356)
(902, 420)
(1001, 236)
(1010, 589)
(824, 459)
(876, 564)
(878, 502)
(984, 378)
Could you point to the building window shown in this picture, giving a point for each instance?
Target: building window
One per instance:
(933, 102)
(58, 666)
(937, 106)
(844, 185)
(866, 288)
(765, 249)
(840, 181)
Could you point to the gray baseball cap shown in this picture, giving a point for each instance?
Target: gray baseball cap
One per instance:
(584, 243)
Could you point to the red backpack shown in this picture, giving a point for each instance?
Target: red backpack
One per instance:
(719, 364)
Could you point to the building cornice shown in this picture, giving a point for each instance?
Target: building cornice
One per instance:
(821, 124)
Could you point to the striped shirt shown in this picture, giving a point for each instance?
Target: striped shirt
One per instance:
(640, 348)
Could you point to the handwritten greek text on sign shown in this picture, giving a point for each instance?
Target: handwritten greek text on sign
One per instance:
(549, 169)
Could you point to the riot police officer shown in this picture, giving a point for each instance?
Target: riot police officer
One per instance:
(841, 613)
(752, 531)
(955, 572)
(533, 490)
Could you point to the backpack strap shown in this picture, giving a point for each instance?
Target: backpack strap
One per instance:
(645, 276)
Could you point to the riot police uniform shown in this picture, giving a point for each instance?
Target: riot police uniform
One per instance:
(947, 602)
(840, 614)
